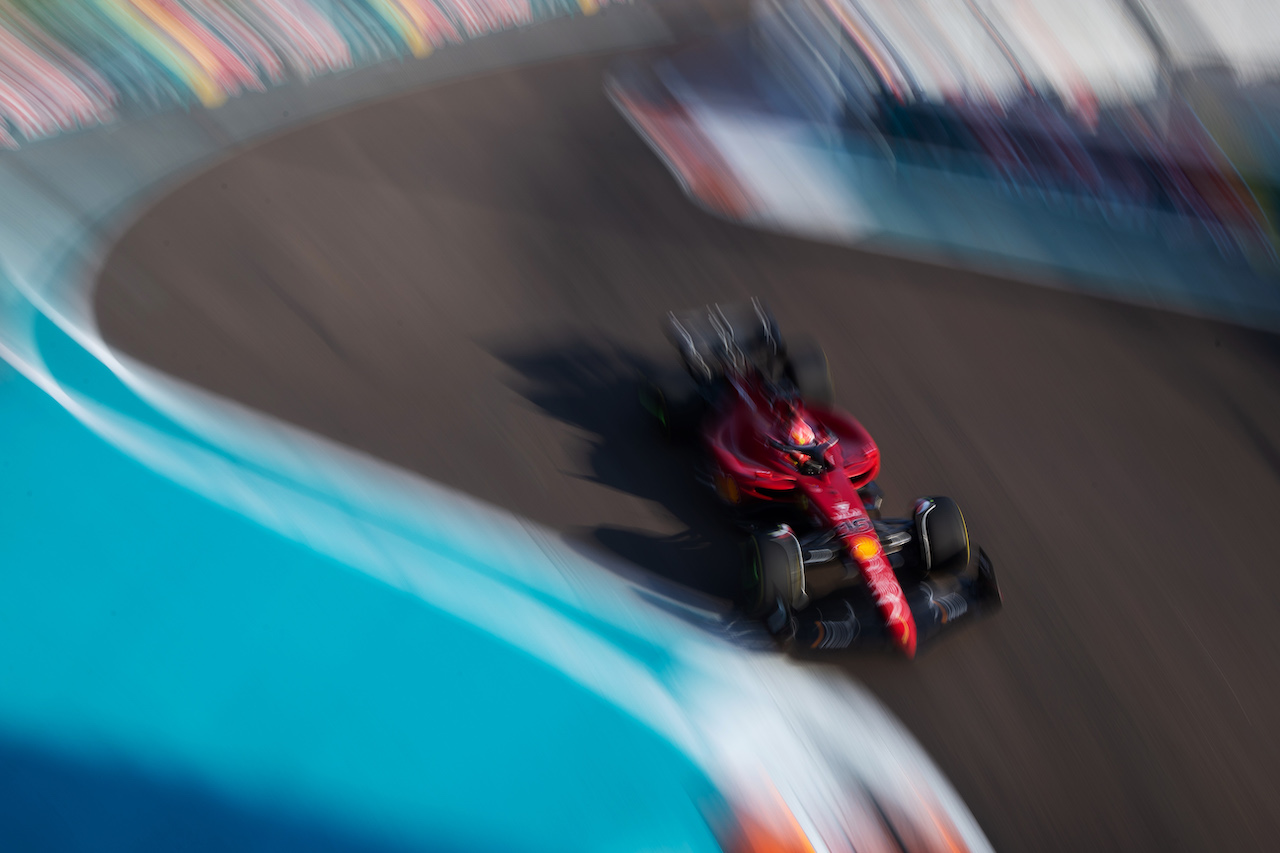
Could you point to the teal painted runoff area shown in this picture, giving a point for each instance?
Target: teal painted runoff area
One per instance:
(147, 633)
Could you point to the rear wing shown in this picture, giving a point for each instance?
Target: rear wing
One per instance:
(725, 337)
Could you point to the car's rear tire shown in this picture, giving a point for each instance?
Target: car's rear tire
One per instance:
(674, 403)
(942, 535)
(774, 573)
(807, 367)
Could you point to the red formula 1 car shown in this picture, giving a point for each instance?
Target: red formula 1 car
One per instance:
(824, 569)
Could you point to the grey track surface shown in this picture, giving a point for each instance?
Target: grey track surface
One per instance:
(462, 281)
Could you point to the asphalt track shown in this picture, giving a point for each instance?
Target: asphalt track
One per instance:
(463, 280)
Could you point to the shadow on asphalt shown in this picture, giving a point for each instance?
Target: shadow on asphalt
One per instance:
(594, 387)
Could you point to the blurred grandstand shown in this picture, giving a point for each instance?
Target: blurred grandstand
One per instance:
(70, 64)
(1147, 115)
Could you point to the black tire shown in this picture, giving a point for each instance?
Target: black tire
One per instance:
(774, 573)
(807, 367)
(942, 535)
(674, 403)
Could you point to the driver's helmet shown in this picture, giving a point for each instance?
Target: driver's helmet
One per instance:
(800, 433)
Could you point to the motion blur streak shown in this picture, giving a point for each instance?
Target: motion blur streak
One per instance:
(688, 153)
(1121, 140)
(752, 722)
(865, 825)
(767, 827)
(764, 730)
(71, 63)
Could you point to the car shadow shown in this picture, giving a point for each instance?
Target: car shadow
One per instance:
(594, 386)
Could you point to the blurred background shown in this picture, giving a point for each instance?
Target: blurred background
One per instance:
(1036, 238)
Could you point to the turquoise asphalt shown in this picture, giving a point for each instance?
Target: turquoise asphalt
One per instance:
(220, 632)
(146, 632)
(216, 635)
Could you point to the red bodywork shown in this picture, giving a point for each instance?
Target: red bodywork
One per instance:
(738, 436)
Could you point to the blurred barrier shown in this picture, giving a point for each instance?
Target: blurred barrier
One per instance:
(1111, 109)
(67, 64)
(69, 196)
(1119, 145)
(1117, 109)
(298, 643)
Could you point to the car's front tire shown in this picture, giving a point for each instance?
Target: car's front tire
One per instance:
(775, 574)
(942, 535)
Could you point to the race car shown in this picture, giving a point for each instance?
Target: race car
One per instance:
(824, 570)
